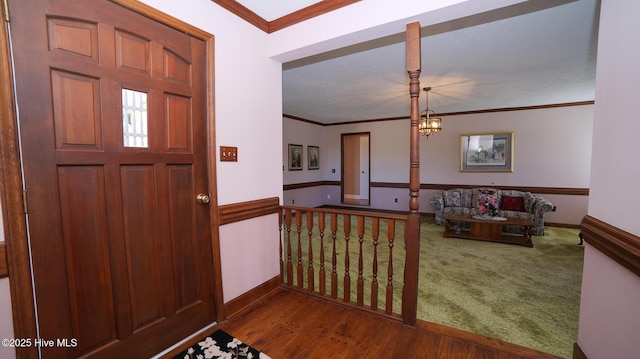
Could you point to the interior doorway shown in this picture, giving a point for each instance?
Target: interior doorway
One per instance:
(355, 168)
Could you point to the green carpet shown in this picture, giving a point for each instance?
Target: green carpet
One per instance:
(525, 296)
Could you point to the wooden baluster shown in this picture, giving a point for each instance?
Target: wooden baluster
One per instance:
(299, 267)
(310, 272)
(360, 283)
(347, 278)
(287, 221)
(280, 239)
(391, 224)
(334, 257)
(375, 232)
(321, 275)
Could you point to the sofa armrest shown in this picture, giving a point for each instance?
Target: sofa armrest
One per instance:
(437, 201)
(541, 206)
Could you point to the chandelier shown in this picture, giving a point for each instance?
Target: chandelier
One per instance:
(429, 123)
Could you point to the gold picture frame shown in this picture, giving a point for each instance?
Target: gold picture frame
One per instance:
(486, 152)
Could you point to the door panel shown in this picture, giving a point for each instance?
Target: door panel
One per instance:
(183, 223)
(85, 34)
(121, 252)
(139, 195)
(76, 111)
(89, 283)
(178, 125)
(132, 52)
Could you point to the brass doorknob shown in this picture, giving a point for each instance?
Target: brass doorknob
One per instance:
(203, 198)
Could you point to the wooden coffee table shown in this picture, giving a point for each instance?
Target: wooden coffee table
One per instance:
(488, 229)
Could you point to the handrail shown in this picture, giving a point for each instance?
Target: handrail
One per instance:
(353, 212)
(315, 241)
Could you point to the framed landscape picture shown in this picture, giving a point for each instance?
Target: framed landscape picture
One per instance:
(486, 152)
(313, 156)
(295, 157)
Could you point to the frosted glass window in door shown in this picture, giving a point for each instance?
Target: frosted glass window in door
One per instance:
(135, 131)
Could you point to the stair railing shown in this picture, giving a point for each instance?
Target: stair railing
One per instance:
(324, 251)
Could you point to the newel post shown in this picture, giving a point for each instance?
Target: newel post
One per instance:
(412, 227)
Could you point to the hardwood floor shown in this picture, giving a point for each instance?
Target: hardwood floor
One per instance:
(288, 324)
(359, 202)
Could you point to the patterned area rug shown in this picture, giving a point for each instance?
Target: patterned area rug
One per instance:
(220, 344)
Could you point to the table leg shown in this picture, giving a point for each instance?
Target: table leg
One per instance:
(527, 235)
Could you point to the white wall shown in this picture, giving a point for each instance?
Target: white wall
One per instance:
(609, 315)
(240, 261)
(552, 149)
(331, 31)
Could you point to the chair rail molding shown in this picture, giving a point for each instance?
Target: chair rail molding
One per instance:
(241, 211)
(621, 246)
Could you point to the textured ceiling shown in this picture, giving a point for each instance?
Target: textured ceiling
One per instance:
(525, 56)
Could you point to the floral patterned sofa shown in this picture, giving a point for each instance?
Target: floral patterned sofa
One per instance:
(511, 203)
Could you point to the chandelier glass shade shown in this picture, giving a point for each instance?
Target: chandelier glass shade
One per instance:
(429, 123)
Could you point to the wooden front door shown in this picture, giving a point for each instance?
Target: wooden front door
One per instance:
(112, 115)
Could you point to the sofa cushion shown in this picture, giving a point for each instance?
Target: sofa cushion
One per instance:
(529, 202)
(512, 203)
(452, 199)
(517, 214)
(466, 197)
(457, 211)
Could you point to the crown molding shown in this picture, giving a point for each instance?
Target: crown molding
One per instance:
(306, 13)
(505, 109)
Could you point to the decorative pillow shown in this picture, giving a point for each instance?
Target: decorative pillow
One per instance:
(452, 199)
(479, 192)
(512, 203)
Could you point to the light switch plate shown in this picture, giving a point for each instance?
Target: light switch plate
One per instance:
(229, 154)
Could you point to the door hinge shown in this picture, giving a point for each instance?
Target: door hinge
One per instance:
(24, 202)
(5, 10)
